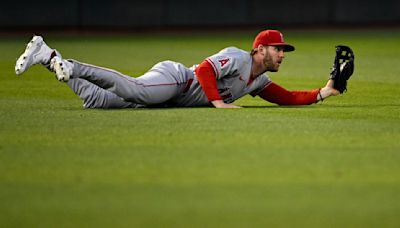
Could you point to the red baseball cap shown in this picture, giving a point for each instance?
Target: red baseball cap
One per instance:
(272, 38)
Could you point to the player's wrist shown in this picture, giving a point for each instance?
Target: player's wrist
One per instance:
(326, 92)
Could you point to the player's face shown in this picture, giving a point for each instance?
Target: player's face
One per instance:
(273, 57)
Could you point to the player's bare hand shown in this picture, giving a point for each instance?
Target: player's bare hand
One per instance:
(330, 90)
(222, 104)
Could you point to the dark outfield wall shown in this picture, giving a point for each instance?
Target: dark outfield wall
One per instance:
(158, 13)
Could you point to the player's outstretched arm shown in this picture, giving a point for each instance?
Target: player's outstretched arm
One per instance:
(276, 94)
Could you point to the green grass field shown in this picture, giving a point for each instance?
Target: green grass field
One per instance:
(335, 164)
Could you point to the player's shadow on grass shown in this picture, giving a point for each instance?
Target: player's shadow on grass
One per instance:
(275, 106)
(367, 106)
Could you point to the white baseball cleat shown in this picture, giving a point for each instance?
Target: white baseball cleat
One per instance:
(36, 52)
(62, 68)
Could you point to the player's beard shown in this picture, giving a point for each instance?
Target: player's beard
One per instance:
(270, 64)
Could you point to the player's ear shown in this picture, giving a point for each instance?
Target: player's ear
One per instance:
(261, 48)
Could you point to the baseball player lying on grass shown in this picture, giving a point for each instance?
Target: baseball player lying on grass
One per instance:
(219, 80)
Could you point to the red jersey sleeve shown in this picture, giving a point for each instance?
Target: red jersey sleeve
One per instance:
(279, 95)
(207, 78)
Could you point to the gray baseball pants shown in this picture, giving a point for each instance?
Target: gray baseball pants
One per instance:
(100, 87)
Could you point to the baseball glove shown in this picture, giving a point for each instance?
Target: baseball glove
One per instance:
(343, 67)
